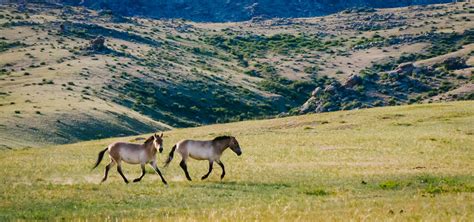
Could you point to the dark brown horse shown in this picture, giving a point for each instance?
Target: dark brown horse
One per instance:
(133, 154)
(210, 150)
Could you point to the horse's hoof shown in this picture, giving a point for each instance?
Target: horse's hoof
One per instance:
(136, 180)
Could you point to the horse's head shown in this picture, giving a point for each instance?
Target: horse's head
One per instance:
(234, 146)
(158, 142)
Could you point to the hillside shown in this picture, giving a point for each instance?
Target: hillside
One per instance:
(235, 10)
(61, 83)
(399, 163)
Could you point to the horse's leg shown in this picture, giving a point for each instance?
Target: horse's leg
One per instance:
(185, 168)
(119, 169)
(223, 169)
(155, 167)
(210, 170)
(107, 168)
(142, 165)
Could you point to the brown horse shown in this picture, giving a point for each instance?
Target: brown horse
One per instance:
(133, 154)
(210, 150)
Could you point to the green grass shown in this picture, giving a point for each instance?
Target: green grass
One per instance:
(359, 164)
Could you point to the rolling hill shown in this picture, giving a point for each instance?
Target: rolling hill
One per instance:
(392, 163)
(236, 10)
(69, 74)
(241, 10)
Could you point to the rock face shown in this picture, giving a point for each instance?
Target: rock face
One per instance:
(402, 69)
(405, 68)
(352, 80)
(97, 44)
(454, 63)
(237, 10)
(330, 98)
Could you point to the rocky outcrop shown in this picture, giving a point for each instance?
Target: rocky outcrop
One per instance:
(454, 63)
(375, 21)
(407, 83)
(352, 80)
(402, 69)
(236, 10)
(97, 44)
(313, 104)
(332, 97)
(407, 67)
(90, 31)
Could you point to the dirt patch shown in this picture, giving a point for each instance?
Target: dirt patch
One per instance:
(344, 127)
(62, 181)
(391, 116)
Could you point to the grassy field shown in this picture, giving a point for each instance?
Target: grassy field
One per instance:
(401, 163)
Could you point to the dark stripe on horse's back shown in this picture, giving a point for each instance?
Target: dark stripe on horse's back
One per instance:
(221, 138)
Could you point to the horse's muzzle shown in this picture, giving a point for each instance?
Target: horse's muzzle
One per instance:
(239, 153)
(161, 150)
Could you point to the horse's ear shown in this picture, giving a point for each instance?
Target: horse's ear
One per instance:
(161, 135)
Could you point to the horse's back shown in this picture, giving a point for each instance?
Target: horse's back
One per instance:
(197, 149)
(123, 145)
(194, 143)
(129, 152)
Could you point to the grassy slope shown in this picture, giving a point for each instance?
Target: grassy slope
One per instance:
(416, 162)
(180, 81)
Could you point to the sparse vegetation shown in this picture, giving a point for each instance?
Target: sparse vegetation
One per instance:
(189, 74)
(357, 165)
(257, 46)
(8, 45)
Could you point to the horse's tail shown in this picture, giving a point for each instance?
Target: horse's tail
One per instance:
(170, 157)
(99, 158)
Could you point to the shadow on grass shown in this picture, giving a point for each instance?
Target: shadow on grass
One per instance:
(253, 187)
(428, 184)
(242, 186)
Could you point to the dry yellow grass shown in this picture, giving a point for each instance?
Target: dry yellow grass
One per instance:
(395, 163)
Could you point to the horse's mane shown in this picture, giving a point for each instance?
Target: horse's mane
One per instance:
(219, 138)
(150, 139)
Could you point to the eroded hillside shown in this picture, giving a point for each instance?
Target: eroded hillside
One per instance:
(235, 10)
(60, 83)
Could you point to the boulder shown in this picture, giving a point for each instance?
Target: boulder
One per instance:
(352, 80)
(308, 106)
(184, 28)
(330, 88)
(405, 68)
(97, 44)
(313, 105)
(316, 92)
(454, 63)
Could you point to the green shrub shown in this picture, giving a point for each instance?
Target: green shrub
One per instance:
(389, 185)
